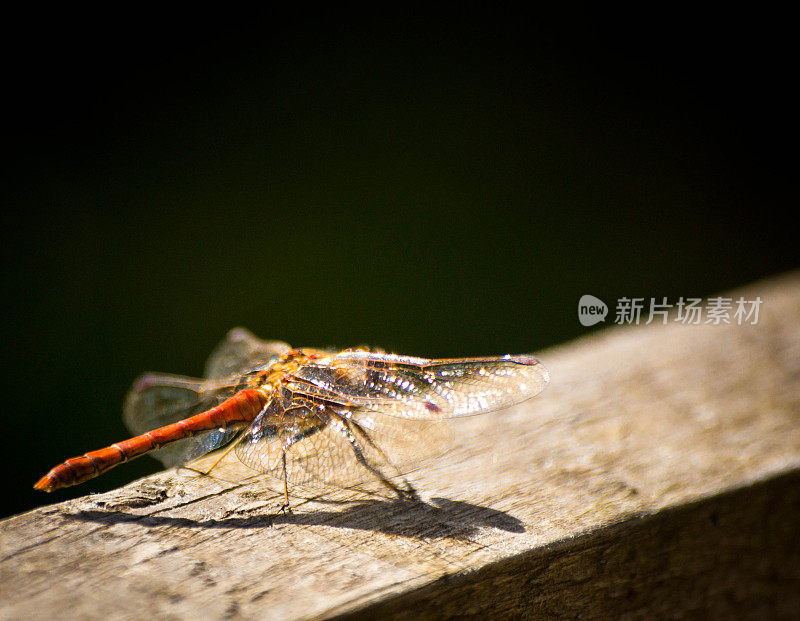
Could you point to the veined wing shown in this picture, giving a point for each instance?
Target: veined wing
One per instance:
(324, 442)
(159, 399)
(289, 427)
(418, 388)
(242, 351)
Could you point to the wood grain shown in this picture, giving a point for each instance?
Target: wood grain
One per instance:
(658, 475)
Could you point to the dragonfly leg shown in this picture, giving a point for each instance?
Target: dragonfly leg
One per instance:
(310, 431)
(285, 507)
(402, 493)
(407, 492)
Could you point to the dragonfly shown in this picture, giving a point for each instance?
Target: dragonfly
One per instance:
(300, 414)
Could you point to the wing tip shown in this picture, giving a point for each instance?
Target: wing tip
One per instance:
(143, 382)
(533, 361)
(239, 333)
(525, 359)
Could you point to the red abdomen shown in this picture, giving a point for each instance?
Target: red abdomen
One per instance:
(241, 408)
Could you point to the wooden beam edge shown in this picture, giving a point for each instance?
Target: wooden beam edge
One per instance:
(727, 555)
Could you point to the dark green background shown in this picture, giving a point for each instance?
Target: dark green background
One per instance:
(440, 184)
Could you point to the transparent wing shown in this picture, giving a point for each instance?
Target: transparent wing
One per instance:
(159, 399)
(241, 351)
(418, 388)
(334, 444)
(283, 428)
(407, 443)
(156, 400)
(342, 456)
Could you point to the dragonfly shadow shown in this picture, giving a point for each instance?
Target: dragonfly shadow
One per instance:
(440, 519)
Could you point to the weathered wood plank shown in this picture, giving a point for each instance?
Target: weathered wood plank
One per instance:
(657, 474)
(730, 556)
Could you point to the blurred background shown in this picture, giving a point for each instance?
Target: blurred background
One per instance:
(434, 183)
